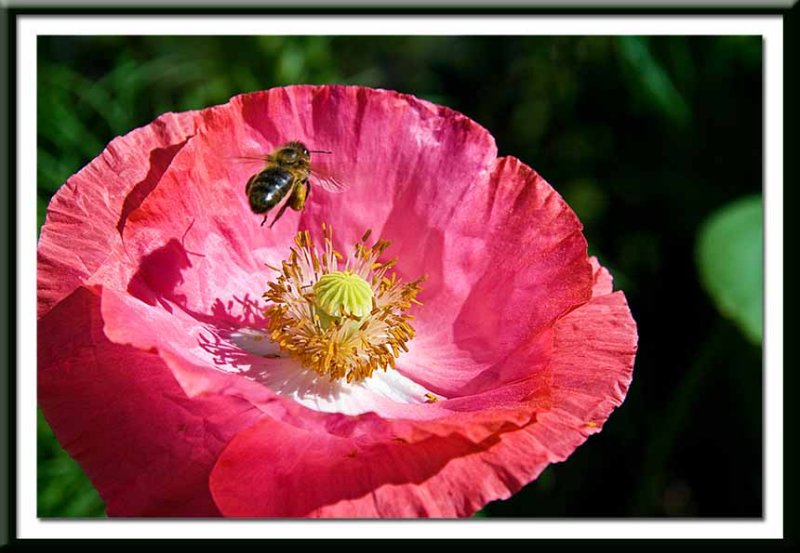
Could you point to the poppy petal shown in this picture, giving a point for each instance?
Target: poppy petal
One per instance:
(86, 216)
(510, 262)
(119, 412)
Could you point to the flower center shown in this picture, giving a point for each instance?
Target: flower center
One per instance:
(340, 323)
(342, 295)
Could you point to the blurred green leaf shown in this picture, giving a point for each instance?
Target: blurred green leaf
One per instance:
(730, 255)
(654, 81)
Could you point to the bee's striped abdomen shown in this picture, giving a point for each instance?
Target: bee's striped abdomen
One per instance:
(266, 189)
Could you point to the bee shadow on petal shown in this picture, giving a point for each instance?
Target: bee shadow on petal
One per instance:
(160, 273)
(156, 283)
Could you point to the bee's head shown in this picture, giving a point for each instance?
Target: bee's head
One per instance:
(292, 153)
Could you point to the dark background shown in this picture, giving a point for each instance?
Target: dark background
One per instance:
(645, 137)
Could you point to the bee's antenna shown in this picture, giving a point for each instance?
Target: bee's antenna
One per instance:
(319, 152)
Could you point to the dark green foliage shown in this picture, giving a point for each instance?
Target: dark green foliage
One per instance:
(644, 136)
(63, 489)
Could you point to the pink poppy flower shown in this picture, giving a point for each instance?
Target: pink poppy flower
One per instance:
(183, 389)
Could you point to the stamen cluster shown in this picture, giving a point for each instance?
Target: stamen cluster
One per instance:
(350, 340)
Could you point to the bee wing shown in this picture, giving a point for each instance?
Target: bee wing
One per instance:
(250, 153)
(249, 159)
(326, 179)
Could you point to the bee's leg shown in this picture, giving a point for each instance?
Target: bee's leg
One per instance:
(299, 196)
(264, 221)
(278, 216)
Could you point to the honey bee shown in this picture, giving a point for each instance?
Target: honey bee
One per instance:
(286, 174)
